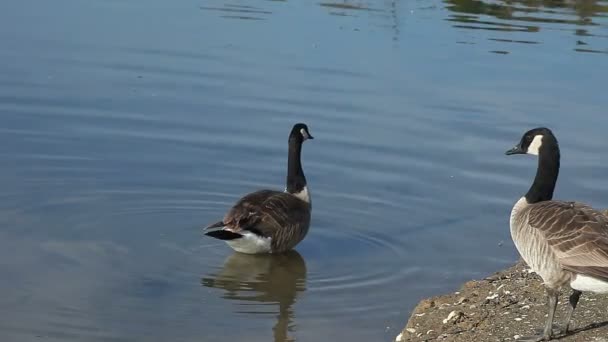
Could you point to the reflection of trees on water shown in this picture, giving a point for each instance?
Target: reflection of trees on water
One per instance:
(262, 10)
(512, 15)
(238, 11)
(526, 15)
(386, 10)
(579, 16)
(259, 283)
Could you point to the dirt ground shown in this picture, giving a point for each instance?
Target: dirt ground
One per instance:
(503, 307)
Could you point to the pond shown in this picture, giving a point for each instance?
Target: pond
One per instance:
(127, 126)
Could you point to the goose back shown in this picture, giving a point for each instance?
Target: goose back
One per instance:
(280, 216)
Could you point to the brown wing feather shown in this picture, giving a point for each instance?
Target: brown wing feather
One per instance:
(577, 233)
(247, 211)
(269, 213)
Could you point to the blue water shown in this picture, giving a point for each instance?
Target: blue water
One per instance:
(126, 126)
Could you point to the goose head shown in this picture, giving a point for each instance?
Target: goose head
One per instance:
(299, 133)
(534, 142)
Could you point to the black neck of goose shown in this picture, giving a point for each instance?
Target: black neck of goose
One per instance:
(295, 176)
(546, 174)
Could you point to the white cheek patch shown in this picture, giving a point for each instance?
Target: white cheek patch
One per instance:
(535, 145)
(304, 133)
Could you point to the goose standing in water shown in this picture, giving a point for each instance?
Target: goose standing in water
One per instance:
(269, 221)
(566, 243)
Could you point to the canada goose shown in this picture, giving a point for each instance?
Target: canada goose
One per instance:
(566, 243)
(269, 221)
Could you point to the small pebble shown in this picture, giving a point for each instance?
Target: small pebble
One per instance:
(450, 316)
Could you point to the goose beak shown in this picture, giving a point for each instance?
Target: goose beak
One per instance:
(310, 136)
(515, 150)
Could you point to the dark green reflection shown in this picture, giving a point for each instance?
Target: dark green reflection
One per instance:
(529, 16)
(526, 14)
(263, 280)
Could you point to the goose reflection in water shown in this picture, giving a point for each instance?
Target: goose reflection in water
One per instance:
(263, 280)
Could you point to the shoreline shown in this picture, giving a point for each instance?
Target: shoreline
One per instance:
(503, 307)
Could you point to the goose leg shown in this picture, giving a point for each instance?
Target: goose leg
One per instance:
(552, 296)
(548, 330)
(574, 297)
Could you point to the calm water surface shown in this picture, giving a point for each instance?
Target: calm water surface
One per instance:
(128, 125)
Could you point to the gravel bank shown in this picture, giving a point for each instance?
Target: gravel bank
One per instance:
(503, 307)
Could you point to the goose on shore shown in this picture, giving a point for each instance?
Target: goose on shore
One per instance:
(269, 221)
(566, 243)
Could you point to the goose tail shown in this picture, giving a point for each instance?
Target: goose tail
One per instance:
(218, 230)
